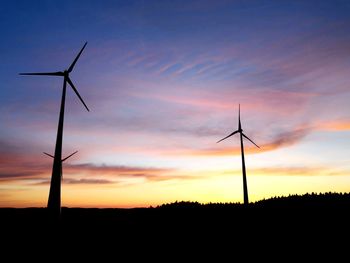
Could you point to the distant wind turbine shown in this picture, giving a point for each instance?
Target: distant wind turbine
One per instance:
(240, 131)
(54, 201)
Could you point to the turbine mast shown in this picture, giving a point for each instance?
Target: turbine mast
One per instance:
(241, 135)
(245, 184)
(54, 201)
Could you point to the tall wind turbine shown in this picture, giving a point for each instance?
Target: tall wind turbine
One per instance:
(240, 131)
(54, 201)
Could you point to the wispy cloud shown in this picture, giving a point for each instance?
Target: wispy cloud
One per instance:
(334, 125)
(80, 181)
(18, 160)
(116, 170)
(19, 166)
(293, 171)
(300, 171)
(284, 139)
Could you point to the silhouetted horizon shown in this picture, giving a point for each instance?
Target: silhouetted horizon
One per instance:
(283, 217)
(287, 222)
(287, 200)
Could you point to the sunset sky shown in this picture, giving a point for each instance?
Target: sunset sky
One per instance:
(163, 80)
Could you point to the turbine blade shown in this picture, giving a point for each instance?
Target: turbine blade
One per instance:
(227, 136)
(245, 136)
(44, 74)
(48, 154)
(76, 59)
(69, 156)
(76, 92)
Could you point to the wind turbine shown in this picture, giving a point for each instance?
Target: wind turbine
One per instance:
(54, 200)
(240, 131)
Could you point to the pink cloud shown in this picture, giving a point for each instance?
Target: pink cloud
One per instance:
(334, 125)
(282, 140)
(22, 166)
(294, 171)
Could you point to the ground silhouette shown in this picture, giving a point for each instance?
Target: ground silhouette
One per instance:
(178, 215)
(292, 225)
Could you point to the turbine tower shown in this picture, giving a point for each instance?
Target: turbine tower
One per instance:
(54, 200)
(240, 131)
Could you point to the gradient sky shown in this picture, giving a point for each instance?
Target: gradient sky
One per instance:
(163, 80)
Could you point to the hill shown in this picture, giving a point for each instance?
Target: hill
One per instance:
(293, 208)
(317, 219)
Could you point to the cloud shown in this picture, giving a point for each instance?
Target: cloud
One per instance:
(21, 164)
(16, 166)
(13, 175)
(334, 125)
(87, 181)
(300, 171)
(287, 139)
(120, 169)
(293, 171)
(80, 181)
(19, 160)
(116, 171)
(284, 139)
(25, 167)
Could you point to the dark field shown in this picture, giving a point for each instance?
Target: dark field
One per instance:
(292, 210)
(320, 220)
(281, 229)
